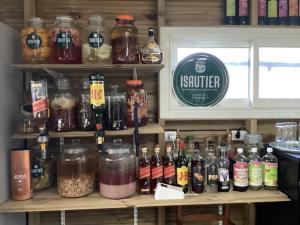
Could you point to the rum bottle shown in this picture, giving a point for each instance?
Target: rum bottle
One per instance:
(243, 12)
(197, 170)
(262, 12)
(223, 172)
(211, 171)
(230, 12)
(240, 172)
(169, 176)
(144, 173)
(156, 169)
(272, 12)
(283, 12)
(293, 12)
(151, 52)
(270, 175)
(182, 169)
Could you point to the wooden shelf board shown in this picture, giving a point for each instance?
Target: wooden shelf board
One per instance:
(151, 128)
(49, 200)
(90, 67)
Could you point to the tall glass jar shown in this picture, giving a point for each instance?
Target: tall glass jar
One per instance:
(35, 44)
(66, 41)
(136, 97)
(124, 38)
(76, 171)
(96, 43)
(63, 107)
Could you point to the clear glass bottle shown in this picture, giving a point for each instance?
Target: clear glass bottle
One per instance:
(211, 171)
(96, 46)
(144, 173)
(197, 170)
(151, 53)
(35, 42)
(124, 38)
(63, 107)
(65, 40)
(240, 172)
(270, 174)
(223, 172)
(255, 170)
(156, 169)
(169, 169)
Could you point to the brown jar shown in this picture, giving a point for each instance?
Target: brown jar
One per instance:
(124, 38)
(21, 188)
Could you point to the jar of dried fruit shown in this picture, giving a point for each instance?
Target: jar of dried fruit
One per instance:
(66, 41)
(35, 44)
(96, 43)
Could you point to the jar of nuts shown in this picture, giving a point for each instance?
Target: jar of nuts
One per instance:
(76, 171)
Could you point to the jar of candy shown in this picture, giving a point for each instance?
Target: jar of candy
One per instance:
(136, 97)
(35, 44)
(96, 43)
(66, 41)
(125, 41)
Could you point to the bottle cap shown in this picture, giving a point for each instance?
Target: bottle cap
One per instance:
(181, 144)
(253, 149)
(269, 150)
(157, 149)
(125, 17)
(168, 148)
(240, 150)
(134, 82)
(144, 149)
(151, 32)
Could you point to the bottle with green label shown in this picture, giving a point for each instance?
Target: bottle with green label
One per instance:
(270, 163)
(255, 170)
(272, 12)
(230, 12)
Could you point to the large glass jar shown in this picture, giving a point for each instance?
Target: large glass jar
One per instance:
(76, 171)
(253, 141)
(35, 44)
(63, 107)
(136, 97)
(124, 38)
(96, 43)
(65, 40)
(117, 172)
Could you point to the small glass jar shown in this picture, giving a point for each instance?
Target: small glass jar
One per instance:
(253, 141)
(117, 171)
(63, 107)
(124, 38)
(136, 97)
(66, 41)
(96, 44)
(76, 171)
(35, 44)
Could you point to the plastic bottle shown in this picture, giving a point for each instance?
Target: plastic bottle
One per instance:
(255, 170)
(240, 172)
(270, 164)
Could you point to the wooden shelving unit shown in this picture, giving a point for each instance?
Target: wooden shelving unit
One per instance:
(49, 200)
(150, 128)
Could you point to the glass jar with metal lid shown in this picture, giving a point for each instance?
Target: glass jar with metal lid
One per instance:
(65, 39)
(96, 42)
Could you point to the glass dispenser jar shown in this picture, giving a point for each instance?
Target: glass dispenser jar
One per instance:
(253, 141)
(96, 44)
(63, 107)
(117, 171)
(35, 44)
(136, 97)
(124, 38)
(76, 171)
(66, 41)
(116, 110)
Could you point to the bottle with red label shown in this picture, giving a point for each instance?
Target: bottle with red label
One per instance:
(243, 12)
(156, 169)
(144, 173)
(182, 169)
(240, 172)
(197, 170)
(283, 10)
(169, 167)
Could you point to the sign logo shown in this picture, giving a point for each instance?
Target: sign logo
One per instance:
(200, 79)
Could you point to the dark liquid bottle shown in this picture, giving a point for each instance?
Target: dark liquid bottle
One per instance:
(197, 170)
(144, 173)
(223, 172)
(230, 12)
(283, 12)
(240, 172)
(243, 12)
(156, 169)
(272, 12)
(262, 12)
(169, 176)
(293, 12)
(182, 169)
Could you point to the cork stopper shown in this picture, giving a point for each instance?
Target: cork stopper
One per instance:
(144, 149)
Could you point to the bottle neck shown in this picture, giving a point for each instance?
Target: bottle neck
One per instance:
(151, 39)
(223, 154)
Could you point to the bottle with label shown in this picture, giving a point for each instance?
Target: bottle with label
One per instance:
(156, 169)
(272, 12)
(197, 170)
(255, 170)
(169, 167)
(144, 173)
(211, 171)
(262, 12)
(230, 12)
(293, 12)
(243, 12)
(283, 12)
(189, 155)
(98, 106)
(151, 53)
(270, 163)
(240, 172)
(182, 169)
(223, 172)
